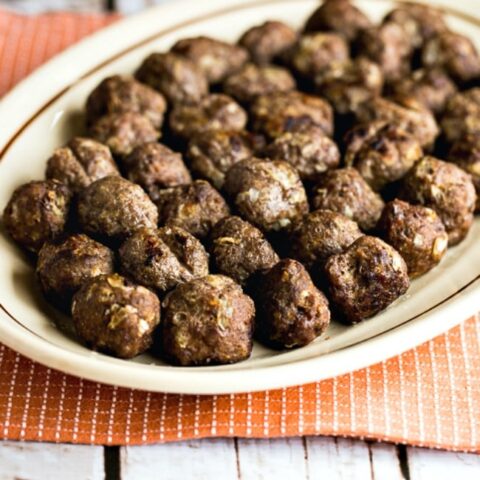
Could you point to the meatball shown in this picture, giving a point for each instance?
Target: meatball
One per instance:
(346, 192)
(416, 232)
(414, 120)
(212, 153)
(292, 312)
(154, 167)
(419, 21)
(196, 207)
(465, 152)
(387, 45)
(207, 321)
(214, 112)
(239, 250)
(308, 149)
(320, 235)
(115, 316)
(346, 85)
(279, 112)
(176, 77)
(63, 267)
(462, 115)
(268, 41)
(81, 162)
(385, 157)
(120, 94)
(428, 88)
(122, 132)
(252, 81)
(366, 278)
(453, 52)
(268, 194)
(339, 16)
(37, 213)
(445, 188)
(163, 258)
(314, 52)
(216, 59)
(112, 208)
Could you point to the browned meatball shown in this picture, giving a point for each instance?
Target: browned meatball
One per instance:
(214, 112)
(268, 194)
(346, 192)
(115, 316)
(308, 149)
(339, 16)
(465, 152)
(384, 157)
(314, 52)
(207, 321)
(419, 21)
(292, 312)
(416, 232)
(212, 153)
(154, 167)
(346, 85)
(320, 235)
(120, 94)
(81, 162)
(387, 45)
(37, 213)
(445, 188)
(414, 120)
(268, 41)
(216, 59)
(240, 250)
(122, 132)
(196, 207)
(62, 268)
(462, 115)
(178, 78)
(252, 81)
(429, 88)
(453, 52)
(366, 278)
(279, 112)
(163, 258)
(112, 208)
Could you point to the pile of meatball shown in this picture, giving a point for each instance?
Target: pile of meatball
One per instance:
(226, 192)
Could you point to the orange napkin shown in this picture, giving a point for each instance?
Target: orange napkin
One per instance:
(429, 396)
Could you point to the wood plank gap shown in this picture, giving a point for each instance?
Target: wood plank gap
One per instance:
(237, 458)
(112, 463)
(402, 457)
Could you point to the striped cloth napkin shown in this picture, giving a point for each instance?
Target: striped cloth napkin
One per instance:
(428, 396)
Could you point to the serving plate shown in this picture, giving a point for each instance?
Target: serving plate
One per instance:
(45, 110)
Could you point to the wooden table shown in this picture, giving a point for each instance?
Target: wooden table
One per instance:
(227, 459)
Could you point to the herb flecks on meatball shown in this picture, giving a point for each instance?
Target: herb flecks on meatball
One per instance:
(239, 250)
(416, 232)
(268, 194)
(115, 316)
(37, 212)
(366, 279)
(163, 258)
(208, 321)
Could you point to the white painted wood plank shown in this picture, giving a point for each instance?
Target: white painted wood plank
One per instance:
(38, 461)
(191, 460)
(282, 458)
(385, 462)
(426, 464)
(132, 6)
(37, 6)
(337, 459)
